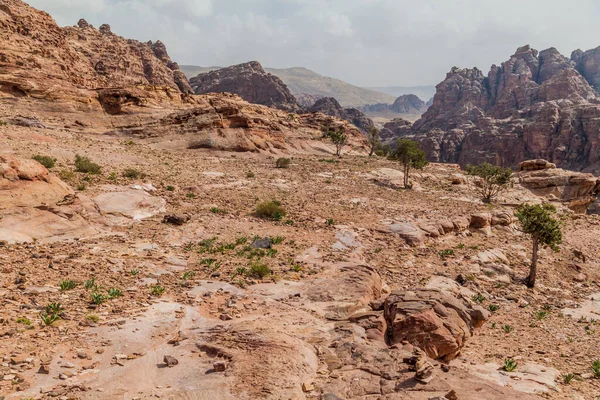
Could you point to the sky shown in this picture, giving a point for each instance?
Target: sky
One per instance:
(364, 42)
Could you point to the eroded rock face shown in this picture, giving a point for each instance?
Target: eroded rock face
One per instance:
(437, 322)
(250, 82)
(578, 190)
(42, 60)
(533, 105)
(405, 104)
(330, 106)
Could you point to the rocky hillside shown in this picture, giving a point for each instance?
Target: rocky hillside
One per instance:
(535, 105)
(330, 106)
(306, 84)
(405, 104)
(42, 60)
(251, 82)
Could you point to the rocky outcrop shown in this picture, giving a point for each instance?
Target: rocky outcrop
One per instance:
(43, 61)
(405, 104)
(578, 190)
(250, 82)
(396, 128)
(535, 105)
(227, 122)
(437, 322)
(330, 106)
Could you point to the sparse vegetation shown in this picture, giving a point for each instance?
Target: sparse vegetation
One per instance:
(93, 318)
(540, 315)
(67, 285)
(24, 321)
(259, 270)
(568, 378)
(374, 140)
(446, 253)
(46, 161)
(157, 290)
(596, 368)
(338, 137)
(250, 175)
(410, 156)
(510, 365)
(217, 210)
(48, 319)
(134, 272)
(97, 298)
(493, 307)
(89, 284)
(85, 165)
(283, 162)
(113, 293)
(478, 298)
(132, 173)
(507, 328)
(494, 179)
(537, 221)
(270, 210)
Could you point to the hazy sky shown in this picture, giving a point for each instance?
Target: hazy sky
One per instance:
(364, 42)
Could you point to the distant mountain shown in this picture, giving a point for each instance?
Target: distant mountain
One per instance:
(423, 92)
(302, 81)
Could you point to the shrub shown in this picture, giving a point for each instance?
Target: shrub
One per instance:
(494, 179)
(24, 321)
(92, 317)
(85, 165)
(259, 270)
(270, 210)
(49, 319)
(510, 365)
(338, 137)
(53, 308)
(67, 285)
(131, 173)
(478, 298)
(170, 188)
(157, 290)
(97, 298)
(46, 161)
(113, 293)
(596, 368)
(410, 156)
(283, 162)
(204, 143)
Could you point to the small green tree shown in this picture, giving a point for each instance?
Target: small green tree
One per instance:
(410, 155)
(373, 139)
(537, 220)
(338, 137)
(494, 179)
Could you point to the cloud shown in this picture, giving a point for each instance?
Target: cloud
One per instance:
(366, 42)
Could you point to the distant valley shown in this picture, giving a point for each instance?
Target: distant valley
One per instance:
(302, 81)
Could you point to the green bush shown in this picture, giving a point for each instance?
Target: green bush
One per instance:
(85, 165)
(270, 210)
(259, 270)
(283, 162)
(131, 173)
(46, 161)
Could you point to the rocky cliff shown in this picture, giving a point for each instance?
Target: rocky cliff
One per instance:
(330, 106)
(405, 104)
(249, 81)
(41, 60)
(535, 105)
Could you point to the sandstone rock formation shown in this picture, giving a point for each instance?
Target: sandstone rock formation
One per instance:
(226, 122)
(535, 105)
(250, 82)
(434, 321)
(405, 104)
(330, 106)
(41, 60)
(578, 190)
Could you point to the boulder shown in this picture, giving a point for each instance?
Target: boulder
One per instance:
(410, 233)
(439, 323)
(126, 203)
(536, 165)
(481, 220)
